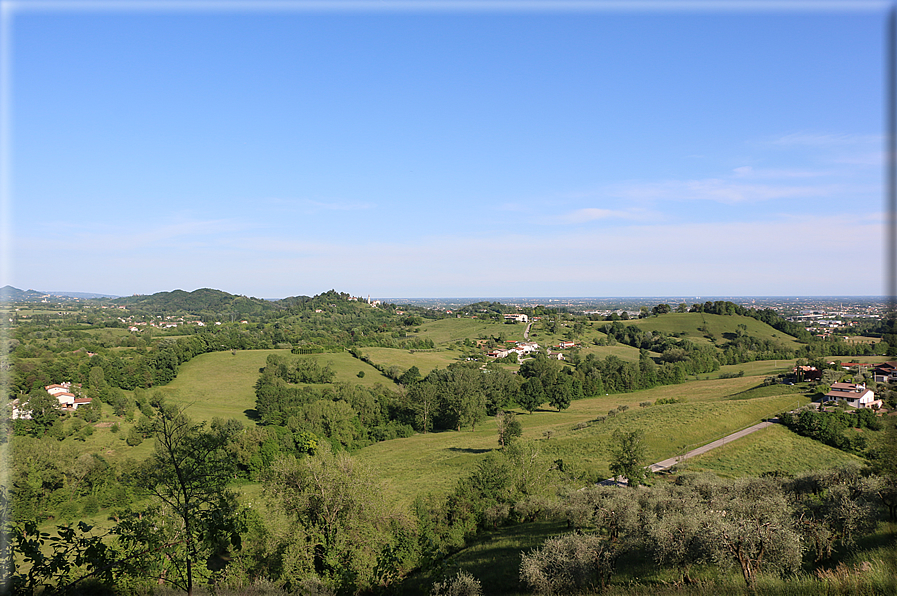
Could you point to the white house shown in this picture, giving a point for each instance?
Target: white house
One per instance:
(855, 394)
(66, 400)
(19, 413)
(81, 401)
(527, 347)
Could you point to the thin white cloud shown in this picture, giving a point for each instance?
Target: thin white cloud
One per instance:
(593, 213)
(772, 173)
(720, 190)
(826, 140)
(130, 236)
(313, 205)
(873, 158)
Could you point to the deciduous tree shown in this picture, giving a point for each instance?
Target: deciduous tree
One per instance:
(628, 456)
(187, 475)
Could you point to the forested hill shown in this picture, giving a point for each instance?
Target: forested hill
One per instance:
(198, 301)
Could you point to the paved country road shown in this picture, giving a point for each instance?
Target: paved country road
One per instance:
(669, 463)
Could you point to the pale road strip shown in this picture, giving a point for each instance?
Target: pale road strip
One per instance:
(669, 463)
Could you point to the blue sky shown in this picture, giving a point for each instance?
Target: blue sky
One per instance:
(445, 152)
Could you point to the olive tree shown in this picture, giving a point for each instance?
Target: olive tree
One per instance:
(672, 521)
(568, 564)
(751, 525)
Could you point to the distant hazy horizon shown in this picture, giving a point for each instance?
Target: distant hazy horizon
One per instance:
(546, 300)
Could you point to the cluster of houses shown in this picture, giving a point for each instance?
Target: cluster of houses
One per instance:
(64, 394)
(856, 395)
(522, 348)
(168, 323)
(519, 318)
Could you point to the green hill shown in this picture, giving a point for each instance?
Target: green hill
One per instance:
(198, 301)
(714, 329)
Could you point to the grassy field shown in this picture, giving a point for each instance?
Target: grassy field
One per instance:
(760, 367)
(219, 384)
(773, 448)
(405, 359)
(433, 462)
(223, 384)
(687, 325)
(448, 331)
(621, 351)
(346, 366)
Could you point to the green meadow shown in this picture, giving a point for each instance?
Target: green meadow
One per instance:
(431, 463)
(218, 384)
(222, 384)
(772, 449)
(405, 359)
(688, 324)
(448, 331)
(621, 351)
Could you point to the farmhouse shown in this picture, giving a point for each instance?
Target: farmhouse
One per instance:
(67, 400)
(856, 395)
(807, 373)
(19, 413)
(886, 372)
(520, 318)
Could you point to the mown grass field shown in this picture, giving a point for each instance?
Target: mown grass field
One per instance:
(621, 351)
(346, 366)
(448, 331)
(405, 359)
(760, 367)
(222, 384)
(219, 384)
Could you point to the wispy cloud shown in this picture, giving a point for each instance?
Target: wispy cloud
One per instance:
(594, 213)
(776, 174)
(826, 140)
(722, 190)
(313, 205)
